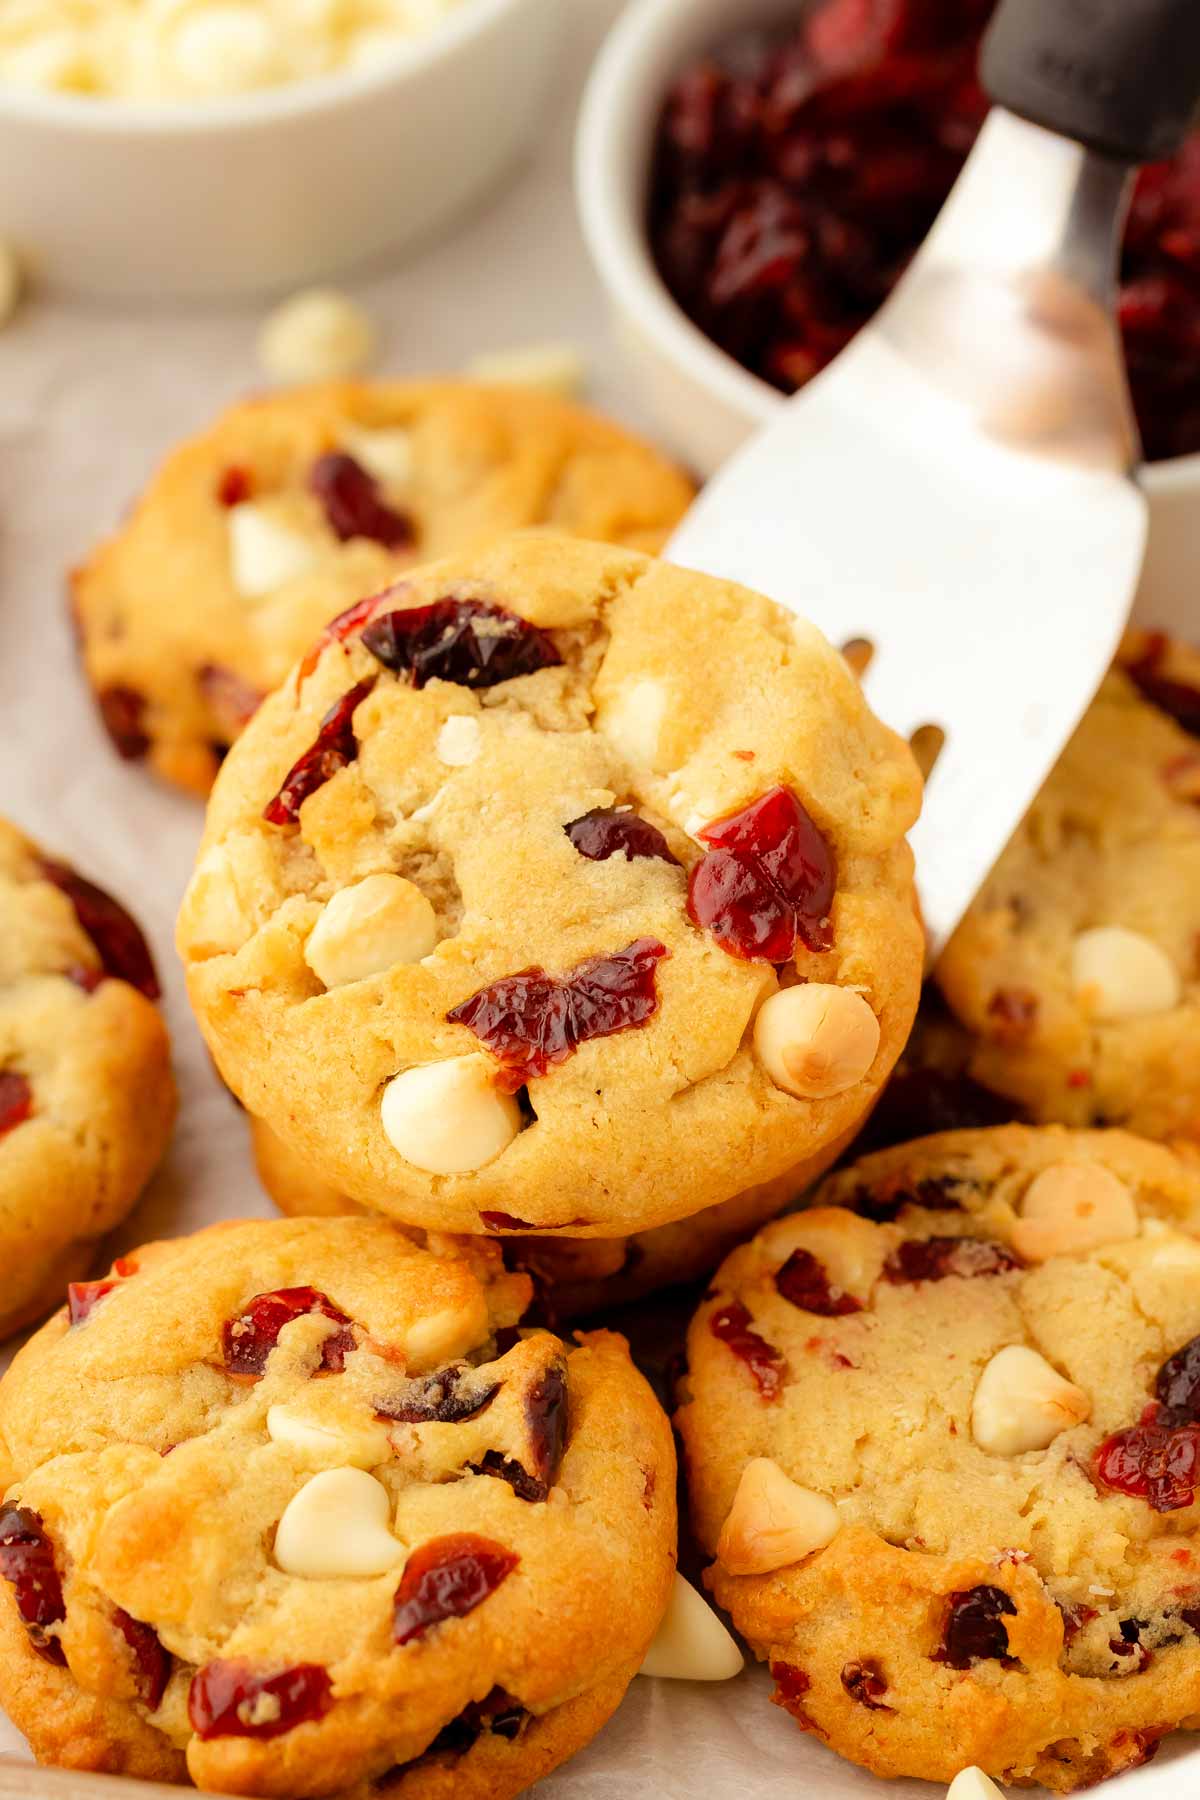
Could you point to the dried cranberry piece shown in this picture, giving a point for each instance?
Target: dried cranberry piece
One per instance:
(936, 1258)
(151, 1662)
(1075, 1615)
(122, 949)
(768, 879)
(804, 1280)
(228, 1699)
(446, 1579)
(533, 1021)
(231, 699)
(86, 979)
(612, 831)
(334, 747)
(1178, 1384)
(234, 485)
(446, 1397)
(354, 505)
(1156, 1460)
(27, 1561)
(502, 1221)
(16, 1100)
(975, 1630)
(1179, 699)
(1013, 1012)
(339, 629)
(1129, 1646)
(546, 1410)
(791, 1686)
(884, 1205)
(250, 1337)
(123, 712)
(524, 1485)
(731, 1325)
(82, 1296)
(865, 1683)
(463, 641)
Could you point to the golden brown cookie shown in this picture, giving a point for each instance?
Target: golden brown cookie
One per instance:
(942, 1434)
(293, 505)
(558, 890)
(1077, 969)
(86, 1095)
(287, 1507)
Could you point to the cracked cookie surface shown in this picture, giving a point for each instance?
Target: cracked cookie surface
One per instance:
(294, 505)
(300, 1526)
(86, 1094)
(406, 964)
(942, 1435)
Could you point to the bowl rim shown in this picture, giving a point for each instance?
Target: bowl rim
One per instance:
(616, 118)
(103, 116)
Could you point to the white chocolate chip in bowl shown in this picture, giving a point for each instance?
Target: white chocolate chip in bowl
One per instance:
(973, 1784)
(1120, 974)
(371, 926)
(459, 740)
(1022, 1403)
(337, 1527)
(1070, 1208)
(691, 1643)
(386, 453)
(361, 1446)
(263, 553)
(816, 1040)
(317, 335)
(773, 1521)
(449, 1118)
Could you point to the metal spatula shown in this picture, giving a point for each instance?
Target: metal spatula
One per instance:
(956, 488)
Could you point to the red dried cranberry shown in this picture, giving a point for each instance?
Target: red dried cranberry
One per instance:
(123, 712)
(463, 641)
(1075, 1615)
(250, 1338)
(1013, 1012)
(1178, 1384)
(232, 700)
(16, 1100)
(884, 1205)
(339, 629)
(975, 1630)
(27, 1561)
(151, 1662)
(446, 1579)
(804, 1280)
(447, 1397)
(791, 1686)
(228, 1699)
(82, 1297)
(1177, 698)
(234, 485)
(335, 746)
(936, 1258)
(614, 831)
(866, 1683)
(524, 1485)
(731, 1325)
(1128, 1646)
(546, 1410)
(533, 1021)
(122, 949)
(768, 879)
(86, 979)
(354, 506)
(1156, 1460)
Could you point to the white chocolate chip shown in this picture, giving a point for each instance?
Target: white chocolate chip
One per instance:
(362, 1447)
(1021, 1403)
(850, 1250)
(1072, 1207)
(634, 720)
(263, 553)
(386, 454)
(374, 925)
(773, 1521)
(816, 1040)
(318, 335)
(458, 741)
(1165, 1248)
(434, 1341)
(337, 1526)
(217, 923)
(449, 1117)
(556, 368)
(973, 1784)
(1120, 974)
(10, 282)
(691, 1643)
(225, 50)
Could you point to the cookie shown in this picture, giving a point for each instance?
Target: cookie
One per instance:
(86, 1095)
(558, 890)
(294, 505)
(942, 1435)
(1077, 969)
(287, 1507)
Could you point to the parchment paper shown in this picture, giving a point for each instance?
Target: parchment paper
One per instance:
(89, 400)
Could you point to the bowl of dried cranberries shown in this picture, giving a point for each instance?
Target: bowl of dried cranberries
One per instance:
(753, 180)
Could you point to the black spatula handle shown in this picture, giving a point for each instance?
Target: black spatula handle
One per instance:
(1121, 76)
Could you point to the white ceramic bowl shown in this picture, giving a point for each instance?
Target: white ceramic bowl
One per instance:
(704, 402)
(278, 187)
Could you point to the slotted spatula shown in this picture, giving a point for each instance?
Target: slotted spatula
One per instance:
(955, 489)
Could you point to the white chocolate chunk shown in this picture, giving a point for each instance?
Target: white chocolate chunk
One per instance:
(634, 721)
(691, 1643)
(773, 1521)
(225, 50)
(361, 1447)
(371, 926)
(449, 1117)
(337, 1526)
(264, 554)
(217, 922)
(1165, 1248)
(386, 453)
(973, 1784)
(458, 741)
(10, 282)
(444, 1335)
(1120, 974)
(1021, 1403)
(816, 1040)
(1072, 1207)
(556, 368)
(317, 335)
